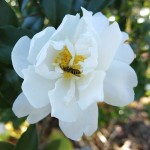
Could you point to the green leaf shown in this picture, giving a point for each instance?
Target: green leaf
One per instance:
(7, 16)
(23, 4)
(55, 10)
(3, 102)
(6, 146)
(29, 140)
(34, 23)
(50, 10)
(10, 82)
(59, 142)
(78, 4)
(63, 8)
(9, 36)
(33, 17)
(95, 5)
(9, 87)
(56, 144)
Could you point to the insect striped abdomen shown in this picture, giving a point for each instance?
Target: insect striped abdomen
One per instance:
(75, 72)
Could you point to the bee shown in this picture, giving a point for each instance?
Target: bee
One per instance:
(68, 69)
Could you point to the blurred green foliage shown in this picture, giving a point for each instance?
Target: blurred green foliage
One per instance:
(29, 140)
(6, 146)
(26, 17)
(11, 18)
(58, 142)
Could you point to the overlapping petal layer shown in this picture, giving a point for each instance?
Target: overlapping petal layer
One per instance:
(36, 88)
(22, 107)
(68, 70)
(83, 125)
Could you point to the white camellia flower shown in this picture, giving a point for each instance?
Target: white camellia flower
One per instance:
(68, 70)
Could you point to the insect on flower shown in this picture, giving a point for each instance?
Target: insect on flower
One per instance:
(68, 69)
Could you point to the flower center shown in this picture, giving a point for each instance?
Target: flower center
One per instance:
(64, 58)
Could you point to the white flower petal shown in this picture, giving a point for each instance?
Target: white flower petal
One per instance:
(125, 36)
(47, 56)
(45, 65)
(71, 49)
(89, 65)
(38, 41)
(100, 22)
(63, 108)
(75, 130)
(125, 54)
(71, 92)
(86, 13)
(85, 81)
(94, 92)
(57, 45)
(36, 88)
(86, 44)
(92, 123)
(44, 71)
(21, 106)
(88, 32)
(39, 114)
(19, 55)
(66, 28)
(84, 27)
(83, 43)
(118, 84)
(110, 41)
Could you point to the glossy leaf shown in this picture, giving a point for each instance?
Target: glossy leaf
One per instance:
(9, 36)
(50, 10)
(29, 140)
(33, 17)
(95, 5)
(63, 8)
(7, 15)
(6, 146)
(34, 23)
(55, 10)
(10, 87)
(78, 4)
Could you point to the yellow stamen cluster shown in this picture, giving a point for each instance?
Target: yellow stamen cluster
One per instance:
(64, 58)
